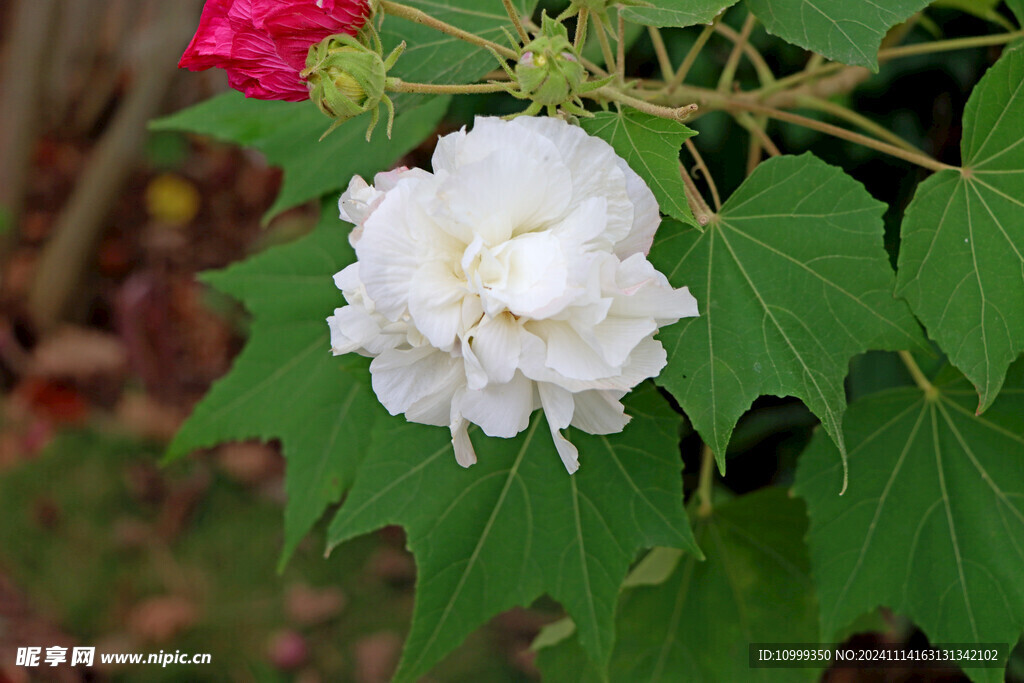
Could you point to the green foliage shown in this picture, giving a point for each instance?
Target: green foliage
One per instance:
(676, 12)
(1017, 6)
(288, 134)
(650, 145)
(515, 526)
(932, 524)
(432, 57)
(286, 384)
(755, 586)
(792, 281)
(847, 31)
(962, 255)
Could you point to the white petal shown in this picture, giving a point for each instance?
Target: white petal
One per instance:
(617, 337)
(558, 409)
(599, 412)
(644, 292)
(567, 354)
(646, 216)
(505, 193)
(495, 343)
(464, 453)
(500, 409)
(352, 328)
(435, 303)
(402, 377)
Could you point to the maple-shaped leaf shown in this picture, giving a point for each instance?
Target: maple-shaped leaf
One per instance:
(848, 31)
(696, 623)
(650, 145)
(515, 525)
(932, 524)
(791, 280)
(285, 384)
(961, 263)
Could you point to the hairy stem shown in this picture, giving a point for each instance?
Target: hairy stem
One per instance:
(703, 168)
(664, 62)
(729, 72)
(606, 47)
(701, 211)
(764, 72)
(690, 58)
(620, 50)
(513, 14)
(412, 14)
(398, 85)
(850, 116)
(850, 136)
(581, 28)
(672, 113)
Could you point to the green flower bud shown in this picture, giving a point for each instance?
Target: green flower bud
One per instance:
(549, 71)
(345, 77)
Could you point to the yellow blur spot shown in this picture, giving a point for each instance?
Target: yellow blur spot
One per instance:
(172, 199)
(541, 60)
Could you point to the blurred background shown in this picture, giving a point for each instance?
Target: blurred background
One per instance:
(107, 340)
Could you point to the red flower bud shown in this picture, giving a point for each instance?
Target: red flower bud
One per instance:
(262, 44)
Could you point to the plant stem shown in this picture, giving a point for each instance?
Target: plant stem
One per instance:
(919, 377)
(513, 14)
(672, 113)
(398, 85)
(691, 57)
(662, 53)
(706, 482)
(729, 72)
(703, 168)
(759, 137)
(841, 112)
(857, 138)
(412, 14)
(764, 72)
(701, 211)
(620, 50)
(947, 45)
(581, 28)
(606, 47)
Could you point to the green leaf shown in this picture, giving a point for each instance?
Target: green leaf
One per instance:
(792, 280)
(961, 264)
(650, 145)
(435, 57)
(1017, 6)
(288, 134)
(515, 525)
(696, 626)
(932, 524)
(848, 31)
(676, 12)
(286, 384)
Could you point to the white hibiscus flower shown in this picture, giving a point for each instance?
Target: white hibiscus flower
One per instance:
(513, 277)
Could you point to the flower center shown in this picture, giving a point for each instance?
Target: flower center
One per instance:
(522, 275)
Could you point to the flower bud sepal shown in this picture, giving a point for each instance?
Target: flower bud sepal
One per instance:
(347, 78)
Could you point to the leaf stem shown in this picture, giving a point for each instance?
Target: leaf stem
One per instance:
(701, 211)
(764, 72)
(513, 14)
(664, 62)
(703, 168)
(691, 57)
(841, 112)
(606, 47)
(947, 45)
(919, 377)
(729, 72)
(398, 85)
(707, 480)
(620, 48)
(835, 131)
(412, 14)
(672, 113)
(581, 28)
